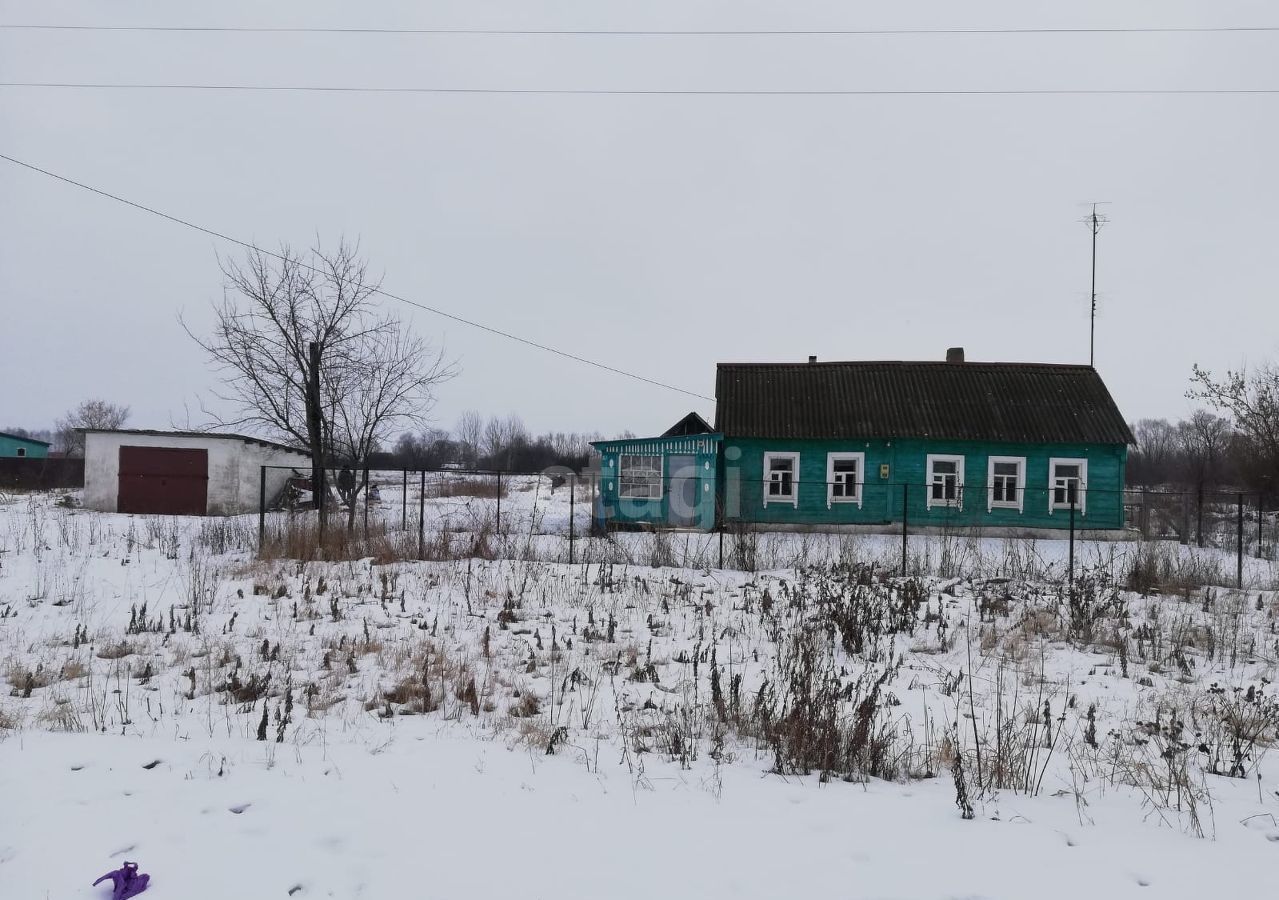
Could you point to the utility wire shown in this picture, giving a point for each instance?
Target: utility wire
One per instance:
(730, 92)
(422, 306)
(760, 32)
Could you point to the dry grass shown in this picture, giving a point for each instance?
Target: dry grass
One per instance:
(1167, 568)
(73, 669)
(534, 734)
(299, 539)
(486, 488)
(117, 650)
(320, 696)
(20, 676)
(412, 695)
(60, 715)
(526, 707)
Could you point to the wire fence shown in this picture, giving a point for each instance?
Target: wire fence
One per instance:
(555, 514)
(1226, 520)
(436, 513)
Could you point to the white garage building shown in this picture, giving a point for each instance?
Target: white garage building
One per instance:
(183, 473)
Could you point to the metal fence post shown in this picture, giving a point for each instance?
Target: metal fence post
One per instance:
(404, 503)
(421, 519)
(318, 492)
(721, 545)
(261, 508)
(366, 499)
(1071, 562)
(572, 515)
(497, 525)
(1199, 516)
(905, 520)
(1260, 501)
(1239, 548)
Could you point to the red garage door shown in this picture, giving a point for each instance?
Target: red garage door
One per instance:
(167, 480)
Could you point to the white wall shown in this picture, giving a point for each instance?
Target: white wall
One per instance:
(234, 468)
(254, 457)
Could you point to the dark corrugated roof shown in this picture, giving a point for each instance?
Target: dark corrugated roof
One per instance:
(1021, 402)
(690, 424)
(29, 440)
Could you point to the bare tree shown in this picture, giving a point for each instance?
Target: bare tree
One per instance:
(1204, 438)
(494, 437)
(502, 439)
(429, 449)
(1153, 460)
(507, 444)
(516, 434)
(89, 414)
(468, 432)
(1251, 399)
(306, 356)
(382, 382)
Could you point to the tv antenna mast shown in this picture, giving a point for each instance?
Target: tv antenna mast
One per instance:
(1094, 220)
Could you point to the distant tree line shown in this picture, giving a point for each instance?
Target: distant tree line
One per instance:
(1207, 451)
(35, 434)
(498, 443)
(66, 437)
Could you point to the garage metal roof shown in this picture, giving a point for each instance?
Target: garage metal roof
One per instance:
(222, 435)
(1014, 402)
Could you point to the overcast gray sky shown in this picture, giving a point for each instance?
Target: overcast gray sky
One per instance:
(659, 234)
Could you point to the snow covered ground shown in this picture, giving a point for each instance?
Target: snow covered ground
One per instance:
(525, 727)
(424, 812)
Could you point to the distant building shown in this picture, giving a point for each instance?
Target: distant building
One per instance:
(183, 472)
(12, 445)
(1010, 447)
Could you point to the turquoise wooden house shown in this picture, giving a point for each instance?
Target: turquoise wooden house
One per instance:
(670, 480)
(1013, 447)
(12, 445)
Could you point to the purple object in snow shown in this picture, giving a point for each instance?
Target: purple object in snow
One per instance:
(126, 881)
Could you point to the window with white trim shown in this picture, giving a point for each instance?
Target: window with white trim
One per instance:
(945, 481)
(845, 473)
(22, 451)
(1067, 484)
(781, 478)
(639, 477)
(1006, 482)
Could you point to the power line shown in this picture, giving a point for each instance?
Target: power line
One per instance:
(608, 32)
(422, 306)
(731, 92)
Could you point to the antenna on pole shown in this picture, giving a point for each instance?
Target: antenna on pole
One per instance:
(1094, 220)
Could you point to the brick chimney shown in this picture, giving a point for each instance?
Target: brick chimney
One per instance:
(955, 355)
(812, 359)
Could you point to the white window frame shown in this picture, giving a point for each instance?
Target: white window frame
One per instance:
(1053, 505)
(21, 452)
(1019, 503)
(958, 502)
(621, 476)
(793, 497)
(831, 459)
